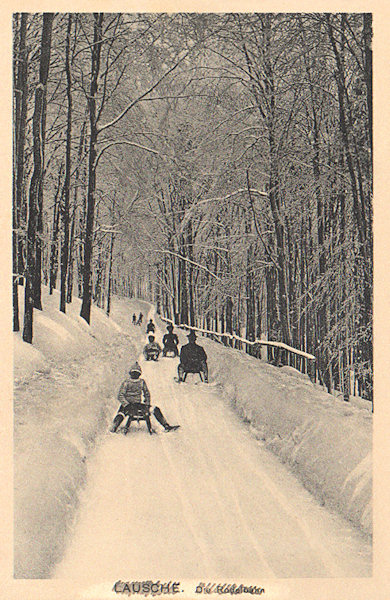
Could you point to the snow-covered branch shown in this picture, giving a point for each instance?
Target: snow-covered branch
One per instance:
(142, 96)
(192, 262)
(127, 143)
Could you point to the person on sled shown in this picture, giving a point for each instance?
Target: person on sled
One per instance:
(193, 359)
(131, 393)
(150, 328)
(170, 342)
(152, 350)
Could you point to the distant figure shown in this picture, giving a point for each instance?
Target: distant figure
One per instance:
(139, 322)
(134, 319)
(170, 342)
(150, 328)
(130, 396)
(193, 359)
(152, 350)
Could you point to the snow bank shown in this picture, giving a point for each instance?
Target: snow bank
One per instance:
(27, 360)
(64, 388)
(325, 441)
(65, 385)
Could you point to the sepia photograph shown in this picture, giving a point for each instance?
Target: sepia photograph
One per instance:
(192, 303)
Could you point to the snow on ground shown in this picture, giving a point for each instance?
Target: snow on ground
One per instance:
(62, 383)
(207, 500)
(325, 441)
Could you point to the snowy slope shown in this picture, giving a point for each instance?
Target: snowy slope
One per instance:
(208, 500)
(62, 386)
(205, 501)
(325, 441)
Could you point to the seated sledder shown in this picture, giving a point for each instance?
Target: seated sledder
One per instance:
(130, 396)
(193, 359)
(170, 342)
(150, 327)
(152, 350)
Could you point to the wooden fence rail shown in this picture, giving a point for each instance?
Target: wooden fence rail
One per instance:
(302, 361)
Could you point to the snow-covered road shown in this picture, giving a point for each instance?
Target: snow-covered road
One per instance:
(204, 501)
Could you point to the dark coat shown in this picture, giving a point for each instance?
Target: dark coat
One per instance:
(170, 340)
(192, 356)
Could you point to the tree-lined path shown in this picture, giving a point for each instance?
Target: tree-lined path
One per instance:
(206, 500)
(218, 165)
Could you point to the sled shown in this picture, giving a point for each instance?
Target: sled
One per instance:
(139, 412)
(153, 357)
(197, 382)
(200, 373)
(125, 431)
(170, 353)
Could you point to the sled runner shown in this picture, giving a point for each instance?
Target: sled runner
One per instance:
(170, 352)
(185, 376)
(151, 356)
(137, 411)
(125, 431)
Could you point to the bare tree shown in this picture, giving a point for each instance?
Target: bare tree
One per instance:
(36, 179)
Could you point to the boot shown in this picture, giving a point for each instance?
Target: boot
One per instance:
(117, 421)
(171, 427)
(149, 426)
(162, 420)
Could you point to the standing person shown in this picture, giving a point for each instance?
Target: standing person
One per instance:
(193, 359)
(130, 395)
(152, 350)
(170, 342)
(134, 319)
(139, 322)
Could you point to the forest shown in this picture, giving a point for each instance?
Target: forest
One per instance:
(217, 165)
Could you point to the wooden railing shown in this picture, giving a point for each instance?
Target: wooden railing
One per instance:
(302, 361)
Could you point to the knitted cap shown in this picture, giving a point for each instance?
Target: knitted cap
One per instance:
(135, 368)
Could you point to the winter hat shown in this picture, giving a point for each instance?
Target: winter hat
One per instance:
(170, 327)
(135, 368)
(151, 338)
(191, 335)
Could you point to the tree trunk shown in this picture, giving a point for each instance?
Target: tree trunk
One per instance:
(43, 76)
(69, 285)
(190, 241)
(20, 120)
(33, 214)
(273, 191)
(273, 325)
(229, 317)
(54, 240)
(250, 293)
(66, 193)
(85, 312)
(76, 226)
(183, 283)
(110, 258)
